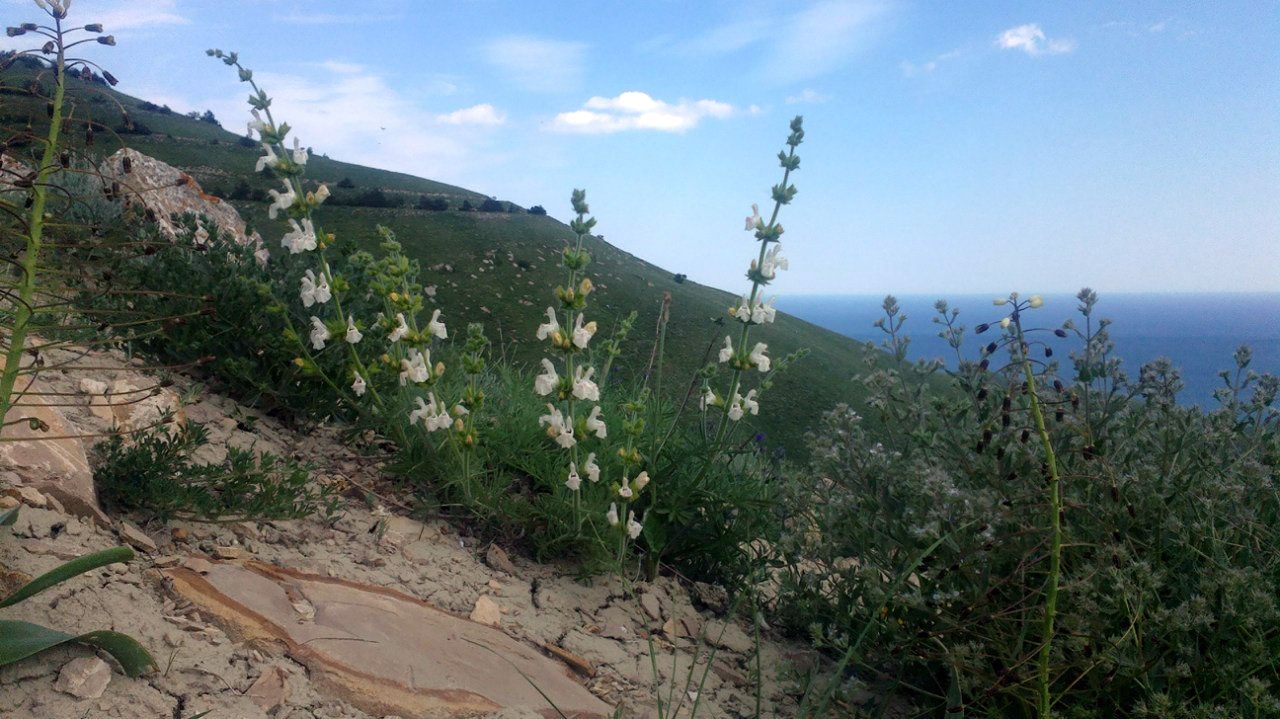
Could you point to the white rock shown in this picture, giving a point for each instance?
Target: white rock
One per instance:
(84, 678)
(486, 611)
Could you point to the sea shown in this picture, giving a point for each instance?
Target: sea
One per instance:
(1198, 332)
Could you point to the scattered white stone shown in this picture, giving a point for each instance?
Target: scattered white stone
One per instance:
(486, 611)
(84, 678)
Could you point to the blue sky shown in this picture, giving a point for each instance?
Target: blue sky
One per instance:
(951, 147)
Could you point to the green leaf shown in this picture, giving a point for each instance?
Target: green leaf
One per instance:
(9, 517)
(19, 640)
(67, 571)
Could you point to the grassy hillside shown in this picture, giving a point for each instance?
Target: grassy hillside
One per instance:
(495, 267)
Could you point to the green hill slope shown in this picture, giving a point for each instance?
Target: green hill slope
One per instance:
(494, 267)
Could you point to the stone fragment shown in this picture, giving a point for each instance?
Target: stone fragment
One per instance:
(84, 678)
(486, 611)
(42, 448)
(651, 606)
(136, 538)
(496, 557)
(271, 689)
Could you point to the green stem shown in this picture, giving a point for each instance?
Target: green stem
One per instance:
(1055, 524)
(23, 313)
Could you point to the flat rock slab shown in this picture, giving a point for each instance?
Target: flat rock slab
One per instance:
(383, 651)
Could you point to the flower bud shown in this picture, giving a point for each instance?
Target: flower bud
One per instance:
(107, 40)
(94, 27)
(1035, 302)
(999, 301)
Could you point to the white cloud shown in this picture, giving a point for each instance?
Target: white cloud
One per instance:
(821, 38)
(1031, 39)
(134, 15)
(483, 114)
(808, 96)
(537, 64)
(910, 69)
(635, 110)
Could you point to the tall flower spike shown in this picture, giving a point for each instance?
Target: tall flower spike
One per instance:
(436, 327)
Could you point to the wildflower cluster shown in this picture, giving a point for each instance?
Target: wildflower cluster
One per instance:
(743, 358)
(385, 355)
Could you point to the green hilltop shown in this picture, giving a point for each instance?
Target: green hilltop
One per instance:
(495, 266)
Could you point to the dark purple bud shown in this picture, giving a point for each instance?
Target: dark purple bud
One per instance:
(984, 364)
(94, 27)
(1048, 351)
(1057, 385)
(49, 48)
(110, 78)
(991, 348)
(14, 31)
(107, 40)
(1060, 332)
(981, 328)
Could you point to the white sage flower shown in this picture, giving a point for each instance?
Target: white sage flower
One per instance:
(592, 469)
(582, 332)
(634, 526)
(641, 480)
(595, 424)
(257, 124)
(414, 368)
(546, 383)
(1005, 322)
(436, 327)
(353, 334)
(319, 333)
(583, 387)
(574, 482)
(754, 220)
(300, 237)
(550, 327)
(764, 312)
(315, 290)
(750, 404)
(281, 201)
(726, 352)
(708, 399)
(625, 490)
(268, 160)
(735, 408)
(1035, 302)
(759, 358)
(358, 386)
(743, 312)
(299, 153)
(558, 428)
(773, 261)
(401, 329)
(612, 515)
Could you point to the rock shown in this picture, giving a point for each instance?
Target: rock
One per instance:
(651, 605)
(167, 191)
(711, 596)
(384, 652)
(84, 678)
(271, 688)
(496, 557)
(728, 635)
(595, 649)
(486, 611)
(55, 467)
(228, 552)
(136, 538)
(30, 496)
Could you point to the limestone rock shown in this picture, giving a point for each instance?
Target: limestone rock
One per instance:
(42, 448)
(166, 191)
(136, 538)
(84, 678)
(271, 689)
(496, 557)
(486, 611)
(382, 651)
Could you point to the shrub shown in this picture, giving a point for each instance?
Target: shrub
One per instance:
(537, 210)
(432, 204)
(154, 474)
(492, 205)
(1168, 603)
